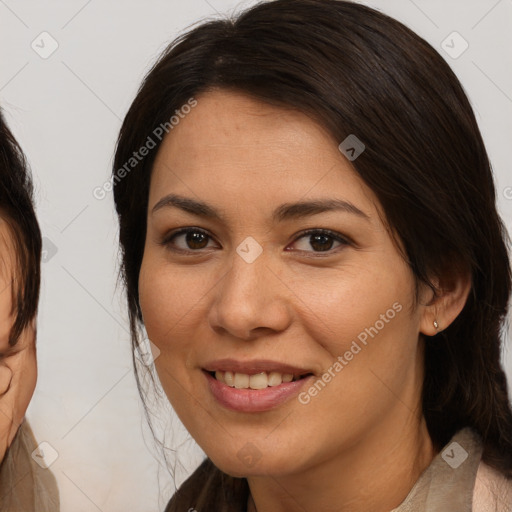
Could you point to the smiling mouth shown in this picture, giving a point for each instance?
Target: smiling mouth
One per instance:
(261, 380)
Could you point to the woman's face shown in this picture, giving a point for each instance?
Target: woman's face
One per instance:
(247, 294)
(18, 370)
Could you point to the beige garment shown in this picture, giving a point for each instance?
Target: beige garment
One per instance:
(24, 485)
(458, 481)
(493, 492)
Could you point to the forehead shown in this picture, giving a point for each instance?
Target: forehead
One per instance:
(232, 146)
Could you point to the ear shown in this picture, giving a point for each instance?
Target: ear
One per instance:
(449, 299)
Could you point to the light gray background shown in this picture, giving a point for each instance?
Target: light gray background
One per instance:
(66, 111)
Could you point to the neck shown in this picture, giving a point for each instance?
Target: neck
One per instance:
(375, 475)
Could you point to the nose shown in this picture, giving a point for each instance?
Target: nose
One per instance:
(250, 301)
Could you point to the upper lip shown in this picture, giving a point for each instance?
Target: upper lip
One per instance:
(253, 366)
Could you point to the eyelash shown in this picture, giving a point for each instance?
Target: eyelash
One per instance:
(343, 240)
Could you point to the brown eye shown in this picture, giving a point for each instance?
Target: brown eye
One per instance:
(320, 241)
(196, 240)
(190, 239)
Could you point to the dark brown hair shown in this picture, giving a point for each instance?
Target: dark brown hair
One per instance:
(17, 209)
(358, 71)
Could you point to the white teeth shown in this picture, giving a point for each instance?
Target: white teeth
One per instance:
(274, 379)
(257, 381)
(241, 380)
(228, 378)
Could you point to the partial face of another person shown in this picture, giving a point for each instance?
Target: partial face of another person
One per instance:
(238, 280)
(18, 370)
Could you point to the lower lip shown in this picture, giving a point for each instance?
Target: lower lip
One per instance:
(254, 400)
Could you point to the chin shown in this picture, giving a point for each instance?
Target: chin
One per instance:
(250, 462)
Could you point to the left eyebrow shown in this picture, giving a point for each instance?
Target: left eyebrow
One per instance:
(305, 208)
(283, 212)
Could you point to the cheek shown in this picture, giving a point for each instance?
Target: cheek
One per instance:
(167, 303)
(5, 378)
(166, 298)
(15, 402)
(171, 305)
(355, 302)
(363, 317)
(26, 381)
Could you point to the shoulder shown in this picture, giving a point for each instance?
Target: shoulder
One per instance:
(24, 485)
(209, 489)
(492, 491)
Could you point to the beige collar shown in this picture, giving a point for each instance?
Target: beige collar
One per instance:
(457, 480)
